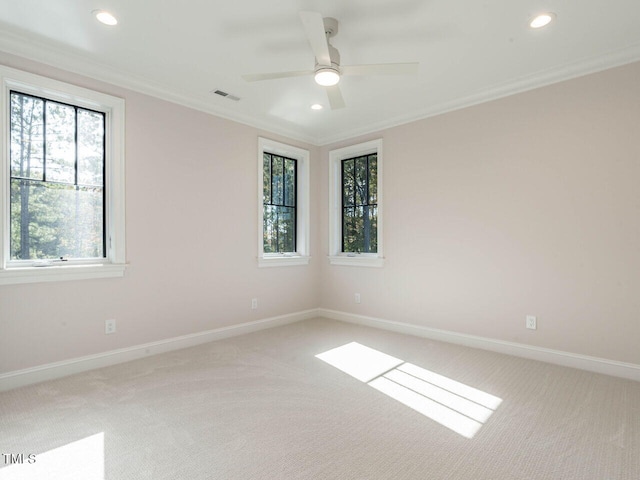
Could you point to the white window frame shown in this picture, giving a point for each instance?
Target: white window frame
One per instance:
(113, 265)
(336, 255)
(301, 255)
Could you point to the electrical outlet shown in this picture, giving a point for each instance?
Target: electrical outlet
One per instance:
(357, 297)
(110, 326)
(531, 322)
(254, 304)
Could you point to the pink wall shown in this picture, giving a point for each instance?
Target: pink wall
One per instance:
(188, 176)
(525, 205)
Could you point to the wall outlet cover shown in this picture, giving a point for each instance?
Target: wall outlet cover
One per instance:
(110, 326)
(531, 322)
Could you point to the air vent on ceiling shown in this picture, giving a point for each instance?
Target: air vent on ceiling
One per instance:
(226, 95)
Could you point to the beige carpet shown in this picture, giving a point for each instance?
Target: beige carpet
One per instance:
(263, 406)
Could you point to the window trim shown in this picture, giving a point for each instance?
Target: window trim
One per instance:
(113, 265)
(301, 255)
(336, 255)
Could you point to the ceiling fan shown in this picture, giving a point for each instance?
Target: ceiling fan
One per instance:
(327, 71)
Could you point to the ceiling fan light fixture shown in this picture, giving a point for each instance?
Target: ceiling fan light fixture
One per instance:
(105, 17)
(327, 77)
(542, 20)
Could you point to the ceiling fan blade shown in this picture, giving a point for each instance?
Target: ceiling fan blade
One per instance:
(381, 69)
(335, 97)
(314, 28)
(257, 77)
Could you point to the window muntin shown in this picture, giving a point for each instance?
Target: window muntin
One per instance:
(57, 191)
(359, 180)
(279, 203)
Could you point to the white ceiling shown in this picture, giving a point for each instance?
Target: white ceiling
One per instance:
(469, 51)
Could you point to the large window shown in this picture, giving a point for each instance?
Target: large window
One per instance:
(359, 184)
(283, 210)
(355, 196)
(61, 181)
(279, 197)
(57, 180)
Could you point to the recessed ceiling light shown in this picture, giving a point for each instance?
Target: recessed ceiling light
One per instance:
(542, 20)
(327, 77)
(105, 17)
(316, 106)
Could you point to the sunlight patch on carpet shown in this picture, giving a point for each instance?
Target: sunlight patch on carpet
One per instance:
(452, 404)
(82, 459)
(361, 362)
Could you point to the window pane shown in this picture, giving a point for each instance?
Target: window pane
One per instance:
(361, 229)
(50, 221)
(370, 229)
(361, 181)
(290, 182)
(286, 229)
(277, 181)
(266, 178)
(373, 179)
(279, 232)
(27, 136)
(60, 141)
(269, 232)
(351, 228)
(348, 182)
(90, 148)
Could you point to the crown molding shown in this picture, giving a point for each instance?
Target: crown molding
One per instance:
(77, 63)
(539, 79)
(48, 54)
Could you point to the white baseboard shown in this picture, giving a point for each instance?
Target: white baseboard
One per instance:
(593, 364)
(51, 371)
(55, 370)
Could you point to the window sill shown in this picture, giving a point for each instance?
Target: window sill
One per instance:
(283, 261)
(56, 273)
(356, 261)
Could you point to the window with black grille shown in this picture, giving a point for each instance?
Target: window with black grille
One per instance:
(57, 180)
(279, 203)
(359, 180)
